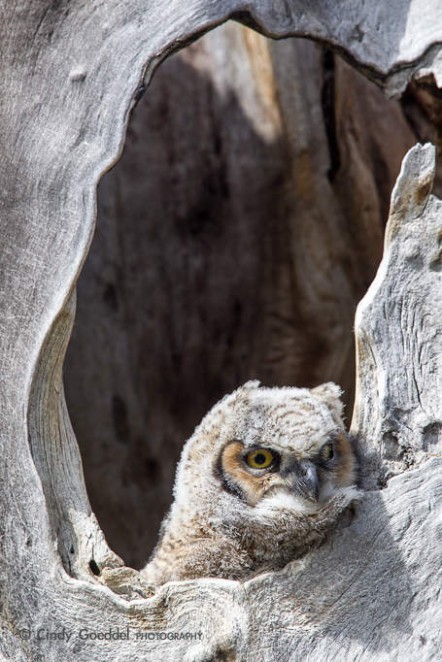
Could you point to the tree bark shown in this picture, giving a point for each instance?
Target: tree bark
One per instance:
(69, 76)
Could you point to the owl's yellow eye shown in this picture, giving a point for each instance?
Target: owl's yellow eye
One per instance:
(261, 458)
(327, 451)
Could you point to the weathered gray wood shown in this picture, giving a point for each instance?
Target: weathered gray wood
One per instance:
(398, 334)
(68, 75)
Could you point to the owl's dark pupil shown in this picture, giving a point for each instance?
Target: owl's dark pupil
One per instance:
(260, 458)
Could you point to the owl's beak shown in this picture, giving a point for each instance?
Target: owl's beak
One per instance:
(303, 479)
(309, 482)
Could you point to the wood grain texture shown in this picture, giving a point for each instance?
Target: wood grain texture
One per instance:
(397, 325)
(69, 74)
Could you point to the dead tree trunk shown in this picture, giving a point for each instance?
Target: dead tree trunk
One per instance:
(69, 75)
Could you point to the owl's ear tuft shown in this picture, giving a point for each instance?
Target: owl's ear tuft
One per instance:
(251, 384)
(330, 394)
(243, 393)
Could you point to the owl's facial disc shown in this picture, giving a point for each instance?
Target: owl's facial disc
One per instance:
(259, 473)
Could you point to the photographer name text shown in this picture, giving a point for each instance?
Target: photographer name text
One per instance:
(110, 634)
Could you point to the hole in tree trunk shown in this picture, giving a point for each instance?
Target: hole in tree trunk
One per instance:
(235, 237)
(94, 567)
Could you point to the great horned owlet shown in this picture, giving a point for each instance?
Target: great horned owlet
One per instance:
(262, 480)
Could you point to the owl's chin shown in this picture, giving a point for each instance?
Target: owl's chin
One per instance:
(285, 500)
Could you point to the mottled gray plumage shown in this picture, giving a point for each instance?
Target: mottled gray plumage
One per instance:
(232, 515)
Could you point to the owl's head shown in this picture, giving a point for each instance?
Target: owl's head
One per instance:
(271, 448)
